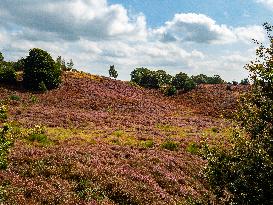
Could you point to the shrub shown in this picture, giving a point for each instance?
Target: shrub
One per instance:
(243, 172)
(7, 74)
(3, 113)
(147, 144)
(200, 79)
(170, 145)
(5, 143)
(245, 81)
(15, 97)
(216, 79)
(40, 69)
(171, 90)
(182, 82)
(150, 79)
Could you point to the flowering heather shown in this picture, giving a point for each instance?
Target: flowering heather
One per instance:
(102, 142)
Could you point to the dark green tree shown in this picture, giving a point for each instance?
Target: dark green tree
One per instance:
(200, 79)
(182, 82)
(243, 172)
(112, 72)
(40, 69)
(1, 57)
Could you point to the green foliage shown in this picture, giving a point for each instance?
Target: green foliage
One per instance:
(193, 148)
(147, 143)
(37, 134)
(150, 79)
(5, 143)
(112, 72)
(216, 79)
(19, 65)
(171, 90)
(243, 172)
(33, 99)
(1, 57)
(3, 113)
(15, 97)
(200, 79)
(170, 145)
(41, 69)
(182, 82)
(245, 81)
(7, 74)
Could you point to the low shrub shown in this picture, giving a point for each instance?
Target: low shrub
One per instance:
(170, 145)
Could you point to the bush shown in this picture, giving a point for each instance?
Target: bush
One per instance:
(171, 90)
(216, 79)
(5, 143)
(40, 69)
(243, 173)
(7, 74)
(245, 82)
(170, 145)
(200, 79)
(181, 81)
(150, 79)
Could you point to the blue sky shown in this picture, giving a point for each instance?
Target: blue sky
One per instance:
(204, 36)
(230, 12)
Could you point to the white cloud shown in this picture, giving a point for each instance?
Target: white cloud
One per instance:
(196, 28)
(268, 3)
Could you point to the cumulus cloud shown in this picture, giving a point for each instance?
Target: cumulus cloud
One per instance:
(73, 19)
(200, 28)
(196, 28)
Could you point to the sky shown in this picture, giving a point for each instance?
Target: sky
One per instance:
(197, 36)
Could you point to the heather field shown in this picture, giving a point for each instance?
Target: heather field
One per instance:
(95, 140)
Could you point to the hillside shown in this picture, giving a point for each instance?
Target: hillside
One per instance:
(109, 142)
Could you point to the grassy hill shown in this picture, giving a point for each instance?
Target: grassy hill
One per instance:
(100, 141)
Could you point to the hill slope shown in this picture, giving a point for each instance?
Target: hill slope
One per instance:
(106, 142)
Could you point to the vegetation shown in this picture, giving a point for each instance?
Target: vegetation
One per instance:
(5, 143)
(243, 172)
(7, 73)
(112, 72)
(41, 72)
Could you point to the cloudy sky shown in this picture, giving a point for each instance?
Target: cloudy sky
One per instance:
(197, 36)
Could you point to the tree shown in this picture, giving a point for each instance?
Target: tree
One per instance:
(41, 69)
(216, 79)
(182, 82)
(112, 72)
(7, 74)
(243, 172)
(200, 79)
(1, 57)
(245, 81)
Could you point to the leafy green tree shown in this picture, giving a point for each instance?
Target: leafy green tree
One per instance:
(216, 79)
(19, 65)
(7, 74)
(138, 74)
(40, 68)
(112, 72)
(182, 82)
(1, 57)
(245, 81)
(200, 79)
(243, 172)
